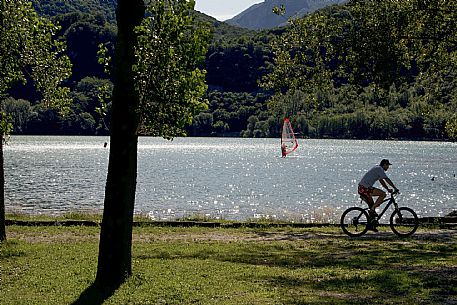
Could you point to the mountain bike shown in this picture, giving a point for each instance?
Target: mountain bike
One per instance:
(403, 221)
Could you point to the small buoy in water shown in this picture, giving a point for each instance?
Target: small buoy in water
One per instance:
(433, 178)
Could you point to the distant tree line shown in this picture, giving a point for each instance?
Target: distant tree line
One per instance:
(369, 69)
(347, 77)
(81, 119)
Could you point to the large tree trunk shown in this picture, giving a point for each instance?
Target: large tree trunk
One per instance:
(2, 194)
(115, 257)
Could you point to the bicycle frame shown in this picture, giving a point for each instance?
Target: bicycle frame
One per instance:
(391, 200)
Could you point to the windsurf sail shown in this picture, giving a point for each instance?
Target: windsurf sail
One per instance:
(288, 141)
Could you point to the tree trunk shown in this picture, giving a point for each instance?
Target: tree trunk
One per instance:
(2, 169)
(2, 194)
(115, 257)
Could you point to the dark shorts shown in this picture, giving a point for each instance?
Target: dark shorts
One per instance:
(365, 191)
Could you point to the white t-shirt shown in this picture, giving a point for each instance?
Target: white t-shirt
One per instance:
(373, 175)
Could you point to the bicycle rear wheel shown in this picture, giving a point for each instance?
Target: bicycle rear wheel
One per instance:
(354, 221)
(404, 221)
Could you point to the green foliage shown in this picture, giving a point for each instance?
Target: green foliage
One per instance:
(6, 124)
(17, 112)
(84, 32)
(104, 58)
(451, 127)
(169, 79)
(87, 115)
(228, 113)
(103, 10)
(237, 65)
(92, 96)
(279, 10)
(385, 66)
(29, 50)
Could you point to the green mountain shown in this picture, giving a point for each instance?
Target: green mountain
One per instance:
(236, 62)
(261, 16)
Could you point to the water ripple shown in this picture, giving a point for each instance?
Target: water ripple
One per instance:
(227, 178)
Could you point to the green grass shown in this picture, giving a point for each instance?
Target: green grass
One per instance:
(54, 265)
(319, 216)
(96, 217)
(66, 216)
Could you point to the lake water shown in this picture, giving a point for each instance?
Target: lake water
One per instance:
(229, 178)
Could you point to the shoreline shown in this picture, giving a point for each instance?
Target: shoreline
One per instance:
(240, 137)
(449, 222)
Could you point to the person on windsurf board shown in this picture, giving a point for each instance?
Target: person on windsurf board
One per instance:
(288, 141)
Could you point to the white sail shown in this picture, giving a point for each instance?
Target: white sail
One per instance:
(288, 141)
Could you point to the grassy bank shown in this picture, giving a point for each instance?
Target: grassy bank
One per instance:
(54, 265)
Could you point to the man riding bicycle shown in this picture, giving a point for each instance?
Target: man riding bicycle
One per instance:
(367, 191)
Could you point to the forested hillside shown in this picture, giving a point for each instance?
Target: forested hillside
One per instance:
(334, 73)
(369, 69)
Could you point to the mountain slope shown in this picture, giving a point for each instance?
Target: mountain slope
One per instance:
(261, 16)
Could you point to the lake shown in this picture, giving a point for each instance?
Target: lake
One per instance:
(227, 178)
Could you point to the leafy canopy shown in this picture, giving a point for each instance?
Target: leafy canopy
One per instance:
(451, 127)
(29, 51)
(366, 44)
(169, 78)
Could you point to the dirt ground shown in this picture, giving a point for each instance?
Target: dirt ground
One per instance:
(220, 235)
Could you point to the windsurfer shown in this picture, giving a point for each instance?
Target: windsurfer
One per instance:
(288, 141)
(283, 150)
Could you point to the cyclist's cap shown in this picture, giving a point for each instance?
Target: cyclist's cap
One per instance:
(385, 161)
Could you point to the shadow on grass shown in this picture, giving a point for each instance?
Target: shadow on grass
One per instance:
(380, 267)
(370, 251)
(94, 295)
(387, 235)
(8, 249)
(419, 285)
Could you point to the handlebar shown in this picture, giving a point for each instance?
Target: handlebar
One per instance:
(394, 193)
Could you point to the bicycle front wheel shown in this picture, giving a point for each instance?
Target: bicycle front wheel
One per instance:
(404, 221)
(354, 221)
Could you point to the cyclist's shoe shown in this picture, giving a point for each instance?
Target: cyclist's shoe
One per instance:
(372, 228)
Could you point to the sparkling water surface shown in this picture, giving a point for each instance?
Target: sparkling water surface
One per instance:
(229, 178)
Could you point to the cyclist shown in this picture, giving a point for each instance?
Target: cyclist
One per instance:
(367, 191)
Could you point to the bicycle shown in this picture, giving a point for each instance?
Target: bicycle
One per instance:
(403, 221)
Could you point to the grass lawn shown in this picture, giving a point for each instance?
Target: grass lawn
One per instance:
(54, 265)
